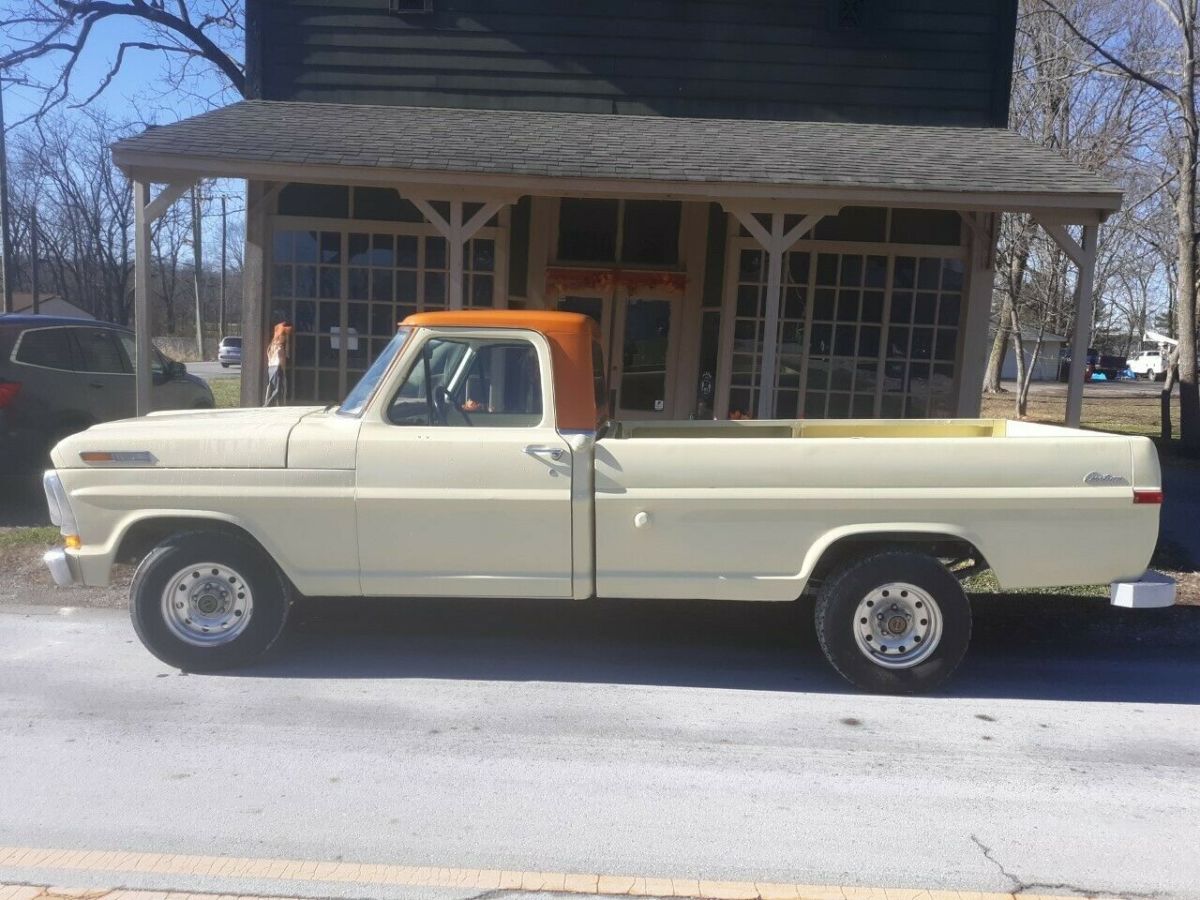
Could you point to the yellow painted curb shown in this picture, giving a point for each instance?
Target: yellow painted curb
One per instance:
(94, 862)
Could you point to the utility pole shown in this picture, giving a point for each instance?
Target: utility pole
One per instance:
(6, 266)
(33, 260)
(196, 264)
(224, 242)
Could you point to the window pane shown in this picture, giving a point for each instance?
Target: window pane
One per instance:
(926, 226)
(100, 352)
(587, 230)
(644, 373)
(854, 223)
(650, 233)
(46, 347)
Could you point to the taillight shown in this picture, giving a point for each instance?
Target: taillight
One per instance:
(1154, 497)
(8, 392)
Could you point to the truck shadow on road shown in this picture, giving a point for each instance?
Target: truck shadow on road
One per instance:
(1057, 648)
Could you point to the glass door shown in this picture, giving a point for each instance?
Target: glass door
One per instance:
(642, 357)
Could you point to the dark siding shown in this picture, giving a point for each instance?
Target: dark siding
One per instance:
(917, 61)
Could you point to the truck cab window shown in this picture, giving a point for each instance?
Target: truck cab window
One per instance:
(471, 383)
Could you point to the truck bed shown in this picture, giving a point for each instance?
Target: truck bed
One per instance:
(840, 428)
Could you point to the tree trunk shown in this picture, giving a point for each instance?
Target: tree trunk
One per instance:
(1019, 351)
(995, 363)
(1185, 213)
(1189, 391)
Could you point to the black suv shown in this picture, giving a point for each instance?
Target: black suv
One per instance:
(59, 375)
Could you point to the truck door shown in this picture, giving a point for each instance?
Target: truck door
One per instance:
(463, 482)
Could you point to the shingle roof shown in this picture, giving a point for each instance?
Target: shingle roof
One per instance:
(716, 152)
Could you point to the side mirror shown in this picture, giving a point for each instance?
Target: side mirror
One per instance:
(177, 369)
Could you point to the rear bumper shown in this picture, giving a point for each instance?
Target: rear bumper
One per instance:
(1152, 591)
(62, 568)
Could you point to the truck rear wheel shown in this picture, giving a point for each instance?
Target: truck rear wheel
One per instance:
(208, 600)
(894, 622)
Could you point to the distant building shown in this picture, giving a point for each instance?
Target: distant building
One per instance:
(48, 305)
(1049, 357)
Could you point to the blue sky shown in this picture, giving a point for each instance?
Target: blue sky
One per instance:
(136, 94)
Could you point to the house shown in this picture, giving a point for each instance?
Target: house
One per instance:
(773, 209)
(1049, 355)
(48, 305)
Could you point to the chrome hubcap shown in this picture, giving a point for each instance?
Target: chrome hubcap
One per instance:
(207, 604)
(897, 625)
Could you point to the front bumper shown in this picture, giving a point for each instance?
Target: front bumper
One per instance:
(1152, 591)
(62, 568)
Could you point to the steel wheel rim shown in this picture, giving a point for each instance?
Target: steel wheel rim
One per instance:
(897, 625)
(207, 604)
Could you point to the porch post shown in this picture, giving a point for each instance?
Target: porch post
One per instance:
(776, 243)
(980, 285)
(770, 349)
(455, 238)
(457, 233)
(141, 296)
(1082, 334)
(254, 291)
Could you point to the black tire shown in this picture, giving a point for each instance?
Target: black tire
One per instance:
(270, 592)
(224, 365)
(838, 602)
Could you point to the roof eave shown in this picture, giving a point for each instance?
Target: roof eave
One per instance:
(1084, 206)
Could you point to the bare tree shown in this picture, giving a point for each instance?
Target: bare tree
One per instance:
(1153, 43)
(189, 36)
(85, 213)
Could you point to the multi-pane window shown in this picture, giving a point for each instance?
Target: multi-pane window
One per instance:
(922, 337)
(345, 291)
(844, 340)
(745, 381)
(306, 289)
(860, 335)
(479, 267)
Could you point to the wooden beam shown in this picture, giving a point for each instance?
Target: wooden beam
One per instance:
(434, 217)
(768, 368)
(454, 300)
(141, 298)
(1082, 334)
(254, 295)
(1064, 240)
(166, 197)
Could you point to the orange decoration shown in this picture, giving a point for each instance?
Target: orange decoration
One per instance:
(565, 280)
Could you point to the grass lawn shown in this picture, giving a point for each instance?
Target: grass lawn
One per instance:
(1118, 412)
(226, 391)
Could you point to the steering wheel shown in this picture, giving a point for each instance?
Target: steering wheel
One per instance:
(443, 402)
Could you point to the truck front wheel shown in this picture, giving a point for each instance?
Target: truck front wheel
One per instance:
(208, 600)
(893, 622)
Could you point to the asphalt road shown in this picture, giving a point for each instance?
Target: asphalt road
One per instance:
(211, 369)
(656, 739)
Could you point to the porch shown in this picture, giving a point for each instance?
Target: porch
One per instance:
(744, 269)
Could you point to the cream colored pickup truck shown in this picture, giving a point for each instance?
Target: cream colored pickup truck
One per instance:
(475, 459)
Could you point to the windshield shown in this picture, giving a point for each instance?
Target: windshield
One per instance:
(356, 401)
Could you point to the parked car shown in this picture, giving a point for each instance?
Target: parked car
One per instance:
(229, 353)
(1110, 366)
(476, 457)
(1149, 364)
(59, 375)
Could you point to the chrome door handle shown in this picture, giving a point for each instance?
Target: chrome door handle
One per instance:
(555, 453)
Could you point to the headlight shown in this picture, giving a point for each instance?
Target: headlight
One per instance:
(60, 506)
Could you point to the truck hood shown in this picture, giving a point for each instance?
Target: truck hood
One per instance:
(189, 439)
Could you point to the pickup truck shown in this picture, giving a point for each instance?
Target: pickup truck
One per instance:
(475, 458)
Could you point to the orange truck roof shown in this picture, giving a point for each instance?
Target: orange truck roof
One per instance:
(571, 337)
